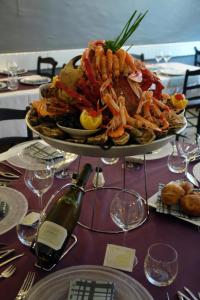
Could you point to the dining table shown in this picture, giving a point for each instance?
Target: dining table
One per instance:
(172, 75)
(92, 240)
(19, 99)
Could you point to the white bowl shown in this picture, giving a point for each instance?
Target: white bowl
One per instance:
(77, 133)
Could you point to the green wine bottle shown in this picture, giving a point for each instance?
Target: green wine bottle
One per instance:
(55, 231)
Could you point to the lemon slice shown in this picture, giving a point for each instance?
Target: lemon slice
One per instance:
(90, 122)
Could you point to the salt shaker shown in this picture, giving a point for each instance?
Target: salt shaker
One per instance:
(98, 180)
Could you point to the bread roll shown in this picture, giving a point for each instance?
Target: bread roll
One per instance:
(190, 204)
(187, 186)
(171, 193)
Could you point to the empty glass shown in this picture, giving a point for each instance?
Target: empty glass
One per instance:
(167, 56)
(127, 209)
(161, 264)
(39, 182)
(12, 82)
(159, 57)
(176, 162)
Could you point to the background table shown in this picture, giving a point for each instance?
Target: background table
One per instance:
(91, 246)
(18, 99)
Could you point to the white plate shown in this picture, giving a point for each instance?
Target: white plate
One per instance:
(172, 72)
(3, 85)
(196, 171)
(35, 80)
(157, 154)
(98, 151)
(17, 161)
(18, 207)
(56, 285)
(152, 202)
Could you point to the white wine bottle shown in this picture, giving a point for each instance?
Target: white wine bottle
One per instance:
(59, 223)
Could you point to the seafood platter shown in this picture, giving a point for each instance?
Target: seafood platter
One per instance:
(105, 102)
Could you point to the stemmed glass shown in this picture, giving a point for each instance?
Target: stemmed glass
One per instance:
(127, 210)
(159, 57)
(188, 145)
(39, 182)
(167, 56)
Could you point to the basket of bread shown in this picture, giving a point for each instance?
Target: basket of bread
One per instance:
(180, 198)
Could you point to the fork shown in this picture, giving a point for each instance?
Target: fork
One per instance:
(26, 285)
(8, 272)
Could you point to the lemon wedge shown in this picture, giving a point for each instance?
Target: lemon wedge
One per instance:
(88, 121)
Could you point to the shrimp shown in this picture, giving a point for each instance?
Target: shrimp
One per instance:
(112, 105)
(99, 51)
(116, 70)
(103, 68)
(121, 54)
(109, 55)
(130, 62)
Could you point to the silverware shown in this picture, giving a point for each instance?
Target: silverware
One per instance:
(4, 208)
(6, 252)
(167, 295)
(192, 179)
(8, 272)
(190, 293)
(199, 294)
(10, 259)
(11, 167)
(182, 296)
(9, 175)
(26, 285)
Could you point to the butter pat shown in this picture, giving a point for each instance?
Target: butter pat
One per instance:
(119, 257)
(91, 290)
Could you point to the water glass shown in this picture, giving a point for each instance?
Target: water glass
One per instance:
(13, 83)
(161, 264)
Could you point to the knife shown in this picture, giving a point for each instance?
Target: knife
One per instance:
(190, 293)
(10, 259)
(192, 179)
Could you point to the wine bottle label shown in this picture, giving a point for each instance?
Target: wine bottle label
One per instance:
(52, 235)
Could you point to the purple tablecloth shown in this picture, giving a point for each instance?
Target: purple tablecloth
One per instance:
(91, 246)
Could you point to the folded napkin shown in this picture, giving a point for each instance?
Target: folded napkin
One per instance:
(173, 210)
(89, 289)
(44, 152)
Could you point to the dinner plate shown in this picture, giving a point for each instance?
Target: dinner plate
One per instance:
(35, 80)
(157, 154)
(196, 171)
(152, 202)
(172, 72)
(98, 151)
(56, 285)
(17, 208)
(3, 85)
(24, 162)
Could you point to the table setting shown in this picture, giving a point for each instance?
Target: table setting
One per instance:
(73, 237)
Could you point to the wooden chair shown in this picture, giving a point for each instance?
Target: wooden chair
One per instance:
(9, 114)
(139, 56)
(46, 61)
(197, 57)
(191, 90)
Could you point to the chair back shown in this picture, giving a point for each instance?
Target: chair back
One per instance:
(196, 57)
(191, 87)
(48, 61)
(9, 114)
(139, 56)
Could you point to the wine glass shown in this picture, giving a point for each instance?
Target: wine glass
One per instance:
(127, 209)
(39, 181)
(188, 145)
(12, 66)
(159, 57)
(167, 56)
(161, 264)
